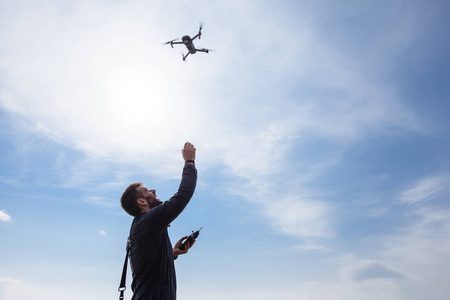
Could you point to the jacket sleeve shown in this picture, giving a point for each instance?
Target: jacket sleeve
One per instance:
(162, 215)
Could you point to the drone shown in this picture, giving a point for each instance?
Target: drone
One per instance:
(188, 42)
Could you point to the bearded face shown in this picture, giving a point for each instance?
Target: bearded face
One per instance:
(149, 196)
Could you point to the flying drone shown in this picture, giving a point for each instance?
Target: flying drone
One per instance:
(188, 42)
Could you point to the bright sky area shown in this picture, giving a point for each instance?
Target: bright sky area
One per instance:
(322, 136)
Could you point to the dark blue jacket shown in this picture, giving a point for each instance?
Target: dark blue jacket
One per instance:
(151, 253)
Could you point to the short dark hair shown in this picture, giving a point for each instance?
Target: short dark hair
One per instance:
(129, 197)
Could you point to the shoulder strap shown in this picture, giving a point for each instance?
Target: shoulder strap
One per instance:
(122, 286)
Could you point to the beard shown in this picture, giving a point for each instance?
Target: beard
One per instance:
(153, 202)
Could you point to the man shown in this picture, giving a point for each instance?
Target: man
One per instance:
(151, 253)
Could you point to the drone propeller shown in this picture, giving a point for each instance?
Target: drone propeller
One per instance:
(170, 42)
(200, 30)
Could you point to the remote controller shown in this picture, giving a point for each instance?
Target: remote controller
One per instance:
(190, 238)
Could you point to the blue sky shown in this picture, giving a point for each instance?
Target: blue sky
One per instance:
(322, 140)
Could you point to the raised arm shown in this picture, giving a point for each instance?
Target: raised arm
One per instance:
(162, 215)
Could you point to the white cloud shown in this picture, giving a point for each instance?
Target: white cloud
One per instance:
(310, 247)
(299, 217)
(101, 201)
(95, 79)
(135, 90)
(412, 264)
(4, 217)
(425, 189)
(372, 269)
(8, 280)
(420, 252)
(14, 289)
(106, 88)
(370, 290)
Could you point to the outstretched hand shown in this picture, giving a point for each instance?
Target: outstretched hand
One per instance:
(176, 249)
(188, 152)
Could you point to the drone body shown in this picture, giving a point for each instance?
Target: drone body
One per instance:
(188, 42)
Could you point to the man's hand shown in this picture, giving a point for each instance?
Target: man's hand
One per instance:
(177, 251)
(188, 152)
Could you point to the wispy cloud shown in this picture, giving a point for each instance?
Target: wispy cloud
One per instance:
(4, 217)
(8, 280)
(425, 189)
(411, 262)
(292, 93)
(118, 98)
(299, 217)
(419, 250)
(372, 269)
(311, 247)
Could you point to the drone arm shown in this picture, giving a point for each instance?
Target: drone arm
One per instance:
(184, 57)
(172, 42)
(176, 43)
(203, 50)
(199, 35)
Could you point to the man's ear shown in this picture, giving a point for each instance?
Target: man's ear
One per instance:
(141, 201)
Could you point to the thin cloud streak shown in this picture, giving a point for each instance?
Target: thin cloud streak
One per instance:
(425, 189)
